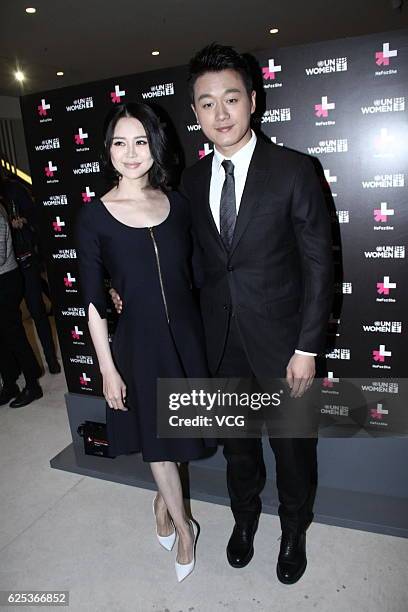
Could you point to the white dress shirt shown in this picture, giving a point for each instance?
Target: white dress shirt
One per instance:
(241, 160)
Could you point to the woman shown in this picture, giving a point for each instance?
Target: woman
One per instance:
(139, 232)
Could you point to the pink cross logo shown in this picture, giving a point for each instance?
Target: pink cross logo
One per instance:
(84, 379)
(205, 151)
(69, 280)
(76, 333)
(329, 381)
(58, 224)
(382, 58)
(322, 110)
(87, 195)
(384, 287)
(375, 414)
(80, 137)
(42, 108)
(382, 214)
(117, 94)
(378, 412)
(380, 354)
(269, 72)
(50, 169)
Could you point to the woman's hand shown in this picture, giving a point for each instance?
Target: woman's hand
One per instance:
(114, 389)
(117, 302)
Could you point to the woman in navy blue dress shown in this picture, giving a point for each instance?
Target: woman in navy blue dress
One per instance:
(139, 234)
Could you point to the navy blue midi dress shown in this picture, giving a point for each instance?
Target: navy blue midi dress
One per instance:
(159, 332)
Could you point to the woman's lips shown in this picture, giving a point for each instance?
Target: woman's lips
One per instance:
(132, 166)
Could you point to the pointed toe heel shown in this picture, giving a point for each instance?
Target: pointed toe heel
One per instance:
(185, 569)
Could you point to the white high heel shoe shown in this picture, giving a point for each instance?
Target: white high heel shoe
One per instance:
(166, 541)
(184, 569)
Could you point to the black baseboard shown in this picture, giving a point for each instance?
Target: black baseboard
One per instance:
(342, 508)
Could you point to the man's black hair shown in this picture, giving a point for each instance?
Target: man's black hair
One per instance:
(214, 58)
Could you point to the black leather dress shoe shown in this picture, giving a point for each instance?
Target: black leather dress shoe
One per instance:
(240, 549)
(292, 557)
(7, 393)
(54, 366)
(26, 396)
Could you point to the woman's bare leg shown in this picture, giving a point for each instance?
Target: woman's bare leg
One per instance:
(170, 500)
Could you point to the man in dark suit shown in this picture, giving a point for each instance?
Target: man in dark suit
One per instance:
(263, 233)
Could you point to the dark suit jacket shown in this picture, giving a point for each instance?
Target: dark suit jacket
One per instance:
(277, 278)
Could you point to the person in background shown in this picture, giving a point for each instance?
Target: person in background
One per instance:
(23, 217)
(16, 353)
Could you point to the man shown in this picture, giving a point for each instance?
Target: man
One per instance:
(23, 216)
(262, 226)
(16, 354)
(263, 233)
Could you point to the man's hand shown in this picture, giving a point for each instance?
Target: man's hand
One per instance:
(300, 373)
(117, 302)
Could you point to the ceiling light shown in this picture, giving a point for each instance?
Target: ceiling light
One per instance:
(274, 31)
(19, 76)
(60, 73)
(31, 10)
(155, 52)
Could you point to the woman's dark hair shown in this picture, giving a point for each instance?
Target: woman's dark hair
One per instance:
(159, 173)
(214, 58)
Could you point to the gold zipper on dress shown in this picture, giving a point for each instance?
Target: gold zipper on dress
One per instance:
(156, 250)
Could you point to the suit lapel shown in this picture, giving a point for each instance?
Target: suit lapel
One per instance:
(254, 186)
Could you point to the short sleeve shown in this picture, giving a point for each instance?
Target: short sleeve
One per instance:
(91, 268)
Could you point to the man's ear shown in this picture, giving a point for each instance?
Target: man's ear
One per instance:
(194, 111)
(253, 101)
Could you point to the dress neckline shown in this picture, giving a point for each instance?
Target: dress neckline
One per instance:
(139, 227)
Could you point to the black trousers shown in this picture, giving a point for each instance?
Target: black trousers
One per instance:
(16, 354)
(35, 304)
(296, 460)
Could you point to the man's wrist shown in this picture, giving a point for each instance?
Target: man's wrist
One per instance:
(299, 352)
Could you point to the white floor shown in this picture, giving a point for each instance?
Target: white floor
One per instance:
(62, 531)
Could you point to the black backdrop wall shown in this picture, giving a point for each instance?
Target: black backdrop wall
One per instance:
(342, 101)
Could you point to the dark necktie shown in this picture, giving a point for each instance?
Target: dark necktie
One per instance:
(228, 209)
